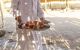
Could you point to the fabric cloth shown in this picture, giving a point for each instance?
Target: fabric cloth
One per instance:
(27, 8)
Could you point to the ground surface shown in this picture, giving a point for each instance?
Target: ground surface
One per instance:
(66, 27)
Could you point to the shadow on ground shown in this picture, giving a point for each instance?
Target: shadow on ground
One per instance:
(68, 28)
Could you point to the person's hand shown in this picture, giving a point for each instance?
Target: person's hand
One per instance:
(44, 21)
(18, 19)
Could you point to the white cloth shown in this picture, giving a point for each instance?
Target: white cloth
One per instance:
(27, 8)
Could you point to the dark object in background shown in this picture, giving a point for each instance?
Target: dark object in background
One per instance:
(2, 33)
(11, 40)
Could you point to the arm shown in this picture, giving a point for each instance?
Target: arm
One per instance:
(15, 4)
(15, 9)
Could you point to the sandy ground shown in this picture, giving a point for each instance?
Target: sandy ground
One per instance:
(61, 25)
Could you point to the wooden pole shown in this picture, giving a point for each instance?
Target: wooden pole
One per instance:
(1, 4)
(45, 4)
(67, 5)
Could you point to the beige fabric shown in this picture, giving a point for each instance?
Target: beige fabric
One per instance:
(27, 8)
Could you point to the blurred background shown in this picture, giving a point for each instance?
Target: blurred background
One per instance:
(64, 16)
